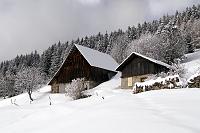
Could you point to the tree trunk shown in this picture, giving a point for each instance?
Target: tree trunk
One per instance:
(29, 93)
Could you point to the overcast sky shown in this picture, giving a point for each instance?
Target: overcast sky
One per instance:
(28, 25)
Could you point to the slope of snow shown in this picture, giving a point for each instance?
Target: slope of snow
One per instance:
(110, 109)
(107, 88)
(192, 64)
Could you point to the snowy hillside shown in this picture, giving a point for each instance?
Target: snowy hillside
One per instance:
(109, 109)
(119, 112)
(192, 63)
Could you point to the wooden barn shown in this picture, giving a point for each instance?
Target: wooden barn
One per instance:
(82, 62)
(137, 67)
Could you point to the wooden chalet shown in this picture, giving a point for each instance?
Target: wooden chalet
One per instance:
(137, 67)
(82, 62)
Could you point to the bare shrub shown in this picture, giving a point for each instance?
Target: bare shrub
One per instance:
(75, 88)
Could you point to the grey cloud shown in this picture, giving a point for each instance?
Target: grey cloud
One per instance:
(27, 25)
(160, 7)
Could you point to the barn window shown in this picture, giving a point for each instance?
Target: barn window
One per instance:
(130, 81)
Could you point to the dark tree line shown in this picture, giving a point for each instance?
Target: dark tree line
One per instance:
(181, 30)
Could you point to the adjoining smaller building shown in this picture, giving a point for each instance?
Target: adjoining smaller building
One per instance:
(137, 67)
(82, 62)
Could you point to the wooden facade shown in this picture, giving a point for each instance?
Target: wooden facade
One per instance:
(136, 68)
(76, 66)
(139, 66)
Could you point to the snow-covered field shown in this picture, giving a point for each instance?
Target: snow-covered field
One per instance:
(120, 111)
(110, 109)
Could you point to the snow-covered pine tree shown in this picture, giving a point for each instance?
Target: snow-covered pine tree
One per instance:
(45, 62)
(174, 42)
(9, 84)
(118, 51)
(104, 43)
(55, 61)
(99, 42)
(3, 91)
(196, 33)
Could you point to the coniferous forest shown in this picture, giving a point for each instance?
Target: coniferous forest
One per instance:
(165, 39)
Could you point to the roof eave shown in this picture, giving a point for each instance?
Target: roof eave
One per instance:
(137, 54)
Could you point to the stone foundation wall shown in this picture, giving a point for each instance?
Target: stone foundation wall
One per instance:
(55, 88)
(60, 88)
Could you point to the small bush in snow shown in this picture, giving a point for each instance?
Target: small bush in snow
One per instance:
(179, 69)
(75, 88)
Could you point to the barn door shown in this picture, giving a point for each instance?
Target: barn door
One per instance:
(130, 81)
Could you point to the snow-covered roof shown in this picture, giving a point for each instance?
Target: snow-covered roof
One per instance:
(145, 57)
(97, 59)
